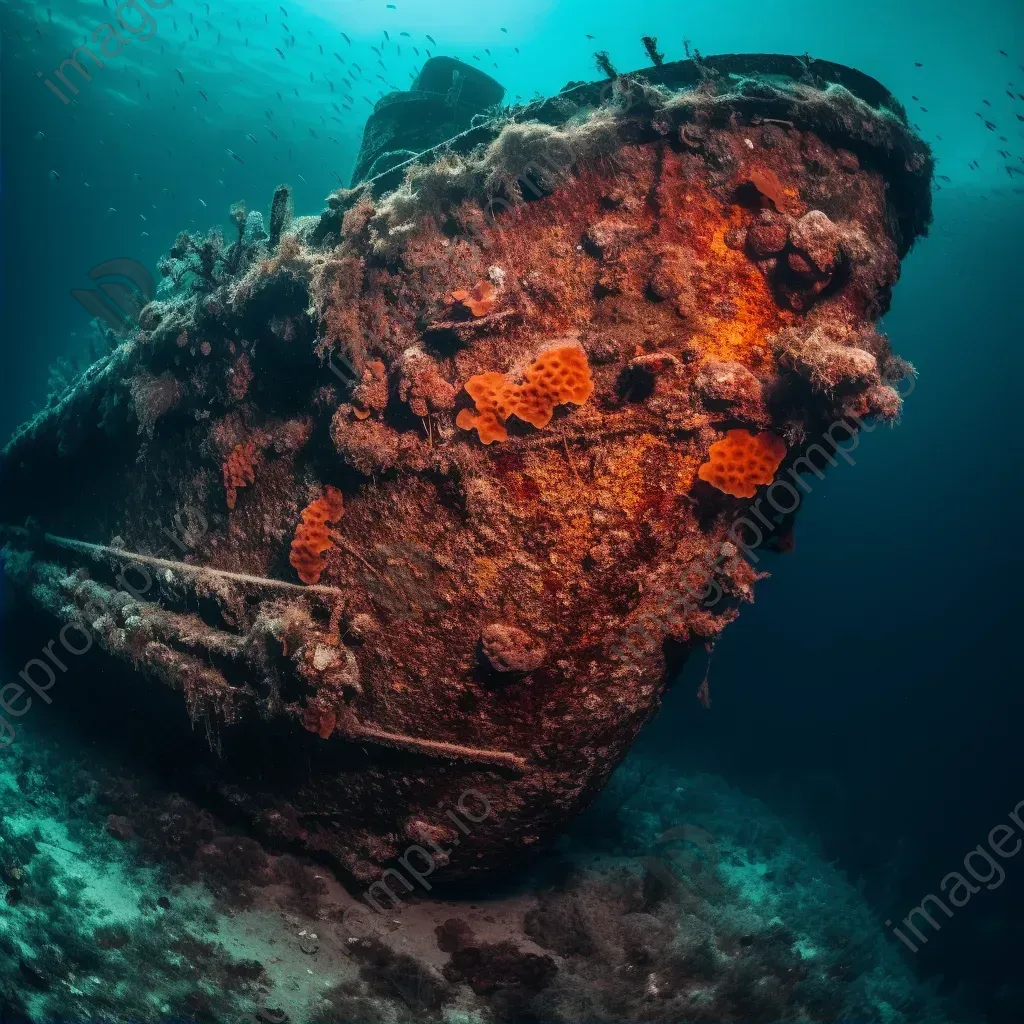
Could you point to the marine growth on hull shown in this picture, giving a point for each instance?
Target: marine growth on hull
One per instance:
(460, 473)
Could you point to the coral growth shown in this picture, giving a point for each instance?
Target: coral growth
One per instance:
(239, 470)
(372, 394)
(154, 397)
(559, 376)
(313, 536)
(742, 461)
(479, 300)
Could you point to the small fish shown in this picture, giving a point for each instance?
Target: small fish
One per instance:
(945, 177)
(918, 64)
(406, 34)
(313, 133)
(346, 38)
(986, 102)
(990, 126)
(386, 36)
(145, 234)
(433, 41)
(54, 176)
(235, 156)
(338, 55)
(505, 30)
(203, 94)
(589, 36)
(111, 210)
(279, 53)
(392, 7)
(39, 136)
(1004, 53)
(376, 51)
(180, 75)
(382, 64)
(142, 216)
(202, 204)
(249, 135)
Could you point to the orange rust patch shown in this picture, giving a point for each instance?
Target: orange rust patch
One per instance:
(742, 461)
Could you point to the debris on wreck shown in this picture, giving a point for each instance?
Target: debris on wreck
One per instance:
(680, 257)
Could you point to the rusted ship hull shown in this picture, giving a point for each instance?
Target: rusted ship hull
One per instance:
(276, 497)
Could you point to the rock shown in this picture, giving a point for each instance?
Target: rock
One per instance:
(610, 236)
(817, 238)
(509, 649)
(726, 386)
(120, 828)
(768, 235)
(453, 935)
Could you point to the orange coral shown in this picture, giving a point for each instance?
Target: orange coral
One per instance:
(239, 470)
(313, 538)
(741, 461)
(479, 300)
(557, 376)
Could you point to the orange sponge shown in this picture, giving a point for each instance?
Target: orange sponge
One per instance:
(557, 376)
(741, 461)
(238, 470)
(479, 300)
(313, 538)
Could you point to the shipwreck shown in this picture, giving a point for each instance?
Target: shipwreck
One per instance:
(431, 494)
